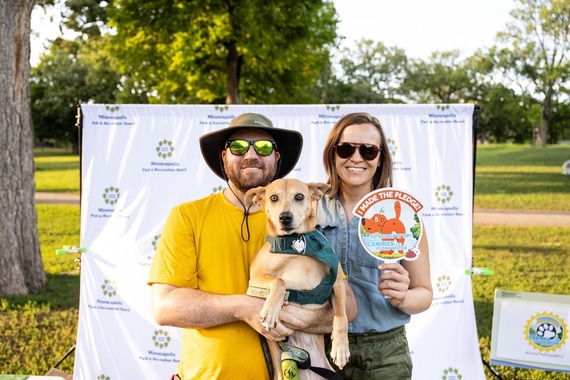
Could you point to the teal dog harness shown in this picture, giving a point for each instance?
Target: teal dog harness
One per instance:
(312, 244)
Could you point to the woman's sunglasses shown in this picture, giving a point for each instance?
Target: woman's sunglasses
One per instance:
(261, 147)
(367, 151)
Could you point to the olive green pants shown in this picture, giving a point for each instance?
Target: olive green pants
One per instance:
(384, 356)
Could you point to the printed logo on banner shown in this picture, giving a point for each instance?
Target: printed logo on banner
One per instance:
(443, 115)
(328, 117)
(443, 294)
(546, 332)
(392, 147)
(109, 288)
(443, 206)
(113, 117)
(397, 163)
(451, 374)
(147, 259)
(110, 196)
(160, 340)
(443, 284)
(106, 300)
(443, 193)
(111, 108)
(222, 108)
(103, 377)
(217, 189)
(165, 150)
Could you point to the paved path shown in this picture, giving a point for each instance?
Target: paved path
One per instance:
(482, 217)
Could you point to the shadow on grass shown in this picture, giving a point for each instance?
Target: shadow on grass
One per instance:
(484, 316)
(523, 250)
(60, 292)
(59, 166)
(520, 183)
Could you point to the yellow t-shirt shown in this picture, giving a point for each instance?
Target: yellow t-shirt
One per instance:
(201, 248)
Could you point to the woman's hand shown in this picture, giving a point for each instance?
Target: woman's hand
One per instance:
(394, 282)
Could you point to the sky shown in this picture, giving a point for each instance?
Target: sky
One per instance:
(423, 26)
(417, 26)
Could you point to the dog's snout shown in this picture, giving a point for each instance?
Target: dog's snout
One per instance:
(286, 218)
(363, 221)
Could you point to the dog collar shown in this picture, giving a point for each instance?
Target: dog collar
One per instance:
(316, 245)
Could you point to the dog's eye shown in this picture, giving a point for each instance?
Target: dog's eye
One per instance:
(274, 198)
(299, 197)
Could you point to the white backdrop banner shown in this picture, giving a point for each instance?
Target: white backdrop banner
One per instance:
(138, 161)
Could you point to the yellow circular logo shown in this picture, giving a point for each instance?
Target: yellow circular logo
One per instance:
(546, 331)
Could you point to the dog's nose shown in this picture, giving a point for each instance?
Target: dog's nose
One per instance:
(363, 221)
(286, 218)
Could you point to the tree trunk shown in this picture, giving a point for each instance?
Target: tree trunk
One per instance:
(546, 116)
(233, 74)
(21, 266)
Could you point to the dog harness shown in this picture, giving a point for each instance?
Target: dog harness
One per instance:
(313, 244)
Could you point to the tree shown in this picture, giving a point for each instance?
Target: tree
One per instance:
(72, 72)
(539, 54)
(441, 79)
(371, 72)
(21, 266)
(214, 51)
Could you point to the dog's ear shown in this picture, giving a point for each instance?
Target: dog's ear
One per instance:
(255, 196)
(317, 190)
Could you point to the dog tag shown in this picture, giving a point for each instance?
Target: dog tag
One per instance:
(298, 245)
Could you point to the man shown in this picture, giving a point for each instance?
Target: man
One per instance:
(200, 272)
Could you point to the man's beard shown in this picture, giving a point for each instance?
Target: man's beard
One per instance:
(244, 182)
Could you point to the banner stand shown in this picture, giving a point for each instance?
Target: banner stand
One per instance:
(138, 161)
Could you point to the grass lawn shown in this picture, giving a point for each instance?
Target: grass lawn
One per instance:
(38, 329)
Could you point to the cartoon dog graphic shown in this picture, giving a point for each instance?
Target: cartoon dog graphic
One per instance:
(374, 224)
(394, 227)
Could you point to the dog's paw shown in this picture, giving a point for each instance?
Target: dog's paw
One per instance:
(269, 316)
(340, 352)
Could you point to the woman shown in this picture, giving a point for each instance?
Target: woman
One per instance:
(357, 161)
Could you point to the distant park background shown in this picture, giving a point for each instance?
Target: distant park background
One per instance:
(274, 53)
(153, 53)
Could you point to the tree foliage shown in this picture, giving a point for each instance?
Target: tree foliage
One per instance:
(538, 54)
(440, 79)
(228, 51)
(71, 73)
(215, 51)
(369, 72)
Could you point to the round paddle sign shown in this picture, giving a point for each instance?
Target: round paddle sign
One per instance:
(390, 226)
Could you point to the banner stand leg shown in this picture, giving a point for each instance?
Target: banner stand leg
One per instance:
(493, 370)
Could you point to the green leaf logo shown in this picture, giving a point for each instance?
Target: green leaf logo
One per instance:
(111, 195)
(443, 194)
(161, 338)
(109, 288)
(165, 149)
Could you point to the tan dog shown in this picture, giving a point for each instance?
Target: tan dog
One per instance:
(291, 222)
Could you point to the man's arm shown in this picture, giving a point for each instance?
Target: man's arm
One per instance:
(192, 308)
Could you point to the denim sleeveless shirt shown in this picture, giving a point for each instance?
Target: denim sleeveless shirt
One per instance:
(375, 314)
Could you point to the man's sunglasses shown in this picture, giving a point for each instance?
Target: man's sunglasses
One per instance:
(367, 151)
(261, 147)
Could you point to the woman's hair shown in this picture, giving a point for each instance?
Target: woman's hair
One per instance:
(383, 175)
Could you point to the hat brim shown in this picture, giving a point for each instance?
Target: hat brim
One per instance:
(289, 145)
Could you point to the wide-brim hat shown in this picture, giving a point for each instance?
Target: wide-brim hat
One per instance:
(289, 143)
